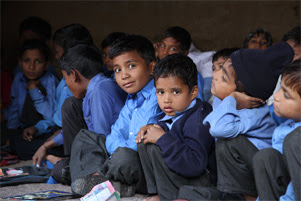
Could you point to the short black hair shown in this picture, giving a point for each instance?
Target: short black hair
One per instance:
(130, 43)
(181, 35)
(84, 58)
(294, 35)
(291, 76)
(177, 65)
(35, 44)
(225, 53)
(258, 31)
(71, 35)
(108, 41)
(37, 25)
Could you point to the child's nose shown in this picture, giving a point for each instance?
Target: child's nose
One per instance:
(125, 74)
(32, 65)
(167, 98)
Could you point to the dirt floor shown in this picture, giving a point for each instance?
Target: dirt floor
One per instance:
(37, 187)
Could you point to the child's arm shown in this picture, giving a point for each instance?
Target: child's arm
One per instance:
(246, 102)
(13, 113)
(45, 104)
(187, 156)
(228, 122)
(119, 131)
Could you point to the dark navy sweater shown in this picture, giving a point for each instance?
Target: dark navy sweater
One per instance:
(188, 148)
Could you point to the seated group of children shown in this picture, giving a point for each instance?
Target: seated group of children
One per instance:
(141, 121)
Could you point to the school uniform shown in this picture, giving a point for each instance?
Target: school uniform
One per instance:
(26, 109)
(240, 133)
(276, 169)
(184, 155)
(116, 156)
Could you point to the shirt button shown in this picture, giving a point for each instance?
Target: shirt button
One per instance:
(131, 133)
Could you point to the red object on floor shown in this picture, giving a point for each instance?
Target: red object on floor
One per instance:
(7, 159)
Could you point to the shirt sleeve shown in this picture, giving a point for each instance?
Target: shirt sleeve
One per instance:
(58, 140)
(43, 126)
(227, 122)
(45, 104)
(119, 131)
(13, 112)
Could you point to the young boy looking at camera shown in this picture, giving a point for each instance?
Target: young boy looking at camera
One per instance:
(116, 157)
(179, 149)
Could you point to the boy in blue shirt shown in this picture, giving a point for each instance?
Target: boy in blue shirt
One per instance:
(116, 157)
(178, 40)
(35, 28)
(63, 39)
(179, 149)
(32, 95)
(277, 169)
(96, 102)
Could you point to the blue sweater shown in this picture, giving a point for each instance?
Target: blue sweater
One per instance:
(188, 148)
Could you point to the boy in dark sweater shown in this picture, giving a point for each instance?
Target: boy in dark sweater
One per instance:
(179, 150)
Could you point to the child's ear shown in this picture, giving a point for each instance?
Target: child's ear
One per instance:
(194, 92)
(152, 66)
(74, 75)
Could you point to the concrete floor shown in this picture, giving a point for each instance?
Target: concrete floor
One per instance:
(37, 187)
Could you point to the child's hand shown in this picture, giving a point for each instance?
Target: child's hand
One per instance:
(39, 156)
(32, 84)
(153, 134)
(142, 131)
(29, 133)
(246, 102)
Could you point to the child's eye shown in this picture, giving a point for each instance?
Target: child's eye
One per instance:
(104, 55)
(26, 60)
(224, 79)
(132, 66)
(213, 68)
(162, 45)
(286, 95)
(173, 49)
(253, 41)
(176, 92)
(264, 42)
(38, 61)
(160, 92)
(116, 70)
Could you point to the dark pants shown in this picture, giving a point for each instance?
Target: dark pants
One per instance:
(26, 149)
(234, 165)
(89, 156)
(160, 179)
(72, 120)
(273, 171)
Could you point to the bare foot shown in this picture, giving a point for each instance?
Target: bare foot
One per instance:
(152, 198)
(53, 159)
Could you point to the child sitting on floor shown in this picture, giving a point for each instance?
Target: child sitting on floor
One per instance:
(179, 149)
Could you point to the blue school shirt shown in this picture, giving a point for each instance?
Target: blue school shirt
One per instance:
(201, 86)
(62, 93)
(101, 106)
(43, 104)
(138, 111)
(228, 122)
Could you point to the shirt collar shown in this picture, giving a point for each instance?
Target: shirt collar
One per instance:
(145, 92)
(292, 123)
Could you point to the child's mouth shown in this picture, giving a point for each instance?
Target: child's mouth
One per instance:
(129, 84)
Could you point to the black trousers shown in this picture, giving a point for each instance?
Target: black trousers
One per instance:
(72, 120)
(89, 155)
(234, 165)
(160, 179)
(273, 171)
(26, 149)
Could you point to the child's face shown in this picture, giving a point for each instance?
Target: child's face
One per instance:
(297, 49)
(173, 95)
(106, 59)
(131, 72)
(258, 41)
(33, 64)
(76, 89)
(59, 51)
(168, 46)
(287, 103)
(218, 63)
(223, 82)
